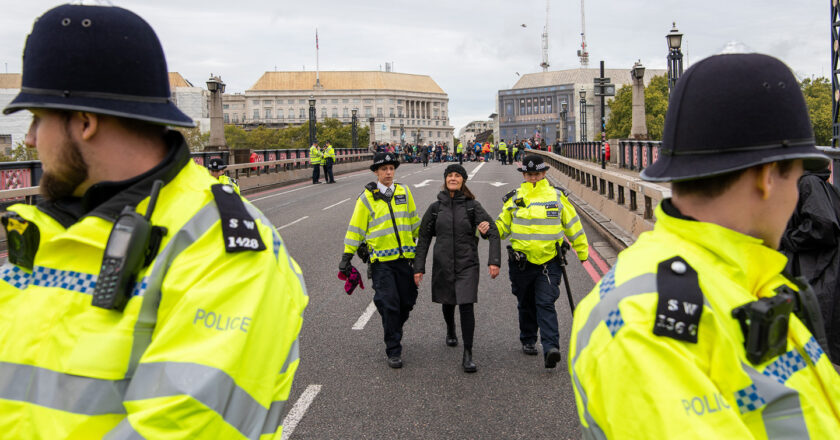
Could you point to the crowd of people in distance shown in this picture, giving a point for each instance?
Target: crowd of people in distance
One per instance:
(472, 152)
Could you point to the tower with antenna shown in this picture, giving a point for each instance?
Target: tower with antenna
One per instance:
(583, 52)
(544, 63)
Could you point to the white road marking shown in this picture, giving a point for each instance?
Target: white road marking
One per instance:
(290, 224)
(299, 410)
(280, 194)
(496, 184)
(475, 171)
(423, 183)
(360, 324)
(335, 204)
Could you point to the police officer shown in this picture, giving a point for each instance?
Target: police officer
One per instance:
(459, 151)
(535, 217)
(126, 283)
(385, 219)
(217, 167)
(329, 160)
(503, 152)
(695, 329)
(315, 159)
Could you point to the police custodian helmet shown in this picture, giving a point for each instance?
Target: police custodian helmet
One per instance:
(97, 59)
(731, 112)
(380, 159)
(216, 164)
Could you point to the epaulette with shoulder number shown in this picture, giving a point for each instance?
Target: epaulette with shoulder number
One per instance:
(239, 230)
(372, 187)
(562, 190)
(680, 301)
(508, 196)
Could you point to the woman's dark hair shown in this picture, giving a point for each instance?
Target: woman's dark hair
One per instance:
(467, 193)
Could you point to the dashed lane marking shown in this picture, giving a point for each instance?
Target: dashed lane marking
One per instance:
(280, 194)
(290, 224)
(475, 171)
(299, 410)
(335, 204)
(362, 321)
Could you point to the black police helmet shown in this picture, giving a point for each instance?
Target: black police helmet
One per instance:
(98, 59)
(216, 164)
(731, 112)
(533, 163)
(380, 159)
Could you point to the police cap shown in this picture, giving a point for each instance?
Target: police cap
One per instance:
(216, 164)
(380, 159)
(731, 112)
(98, 59)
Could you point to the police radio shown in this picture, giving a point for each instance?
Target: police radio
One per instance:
(126, 253)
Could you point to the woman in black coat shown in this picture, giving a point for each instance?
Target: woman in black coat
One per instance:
(453, 219)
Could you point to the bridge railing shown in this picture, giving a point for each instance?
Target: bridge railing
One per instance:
(581, 150)
(19, 180)
(637, 155)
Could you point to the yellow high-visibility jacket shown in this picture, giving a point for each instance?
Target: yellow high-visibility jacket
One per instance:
(535, 217)
(389, 228)
(631, 383)
(226, 180)
(206, 346)
(315, 156)
(329, 152)
(503, 147)
(460, 148)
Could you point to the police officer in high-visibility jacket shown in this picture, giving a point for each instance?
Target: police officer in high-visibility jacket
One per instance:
(459, 150)
(217, 167)
(503, 152)
(141, 298)
(385, 219)
(328, 160)
(536, 217)
(315, 160)
(695, 332)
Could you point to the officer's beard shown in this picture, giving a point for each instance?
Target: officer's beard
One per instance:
(71, 172)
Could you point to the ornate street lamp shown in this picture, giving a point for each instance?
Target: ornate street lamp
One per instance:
(675, 67)
(354, 129)
(217, 128)
(582, 114)
(311, 120)
(402, 133)
(564, 107)
(372, 130)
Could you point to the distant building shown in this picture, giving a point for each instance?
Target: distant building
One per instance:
(532, 108)
(404, 106)
(192, 100)
(13, 127)
(470, 131)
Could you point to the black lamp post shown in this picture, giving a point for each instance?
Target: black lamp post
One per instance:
(311, 120)
(371, 129)
(564, 106)
(675, 66)
(355, 133)
(582, 114)
(402, 133)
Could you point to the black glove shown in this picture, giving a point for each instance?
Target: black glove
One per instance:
(344, 265)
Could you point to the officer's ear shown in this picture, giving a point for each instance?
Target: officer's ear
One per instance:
(86, 124)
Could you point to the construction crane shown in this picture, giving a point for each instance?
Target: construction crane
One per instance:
(583, 53)
(544, 63)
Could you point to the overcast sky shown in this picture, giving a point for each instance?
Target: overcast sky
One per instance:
(471, 48)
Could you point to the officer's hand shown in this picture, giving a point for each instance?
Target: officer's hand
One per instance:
(493, 270)
(344, 265)
(418, 277)
(483, 227)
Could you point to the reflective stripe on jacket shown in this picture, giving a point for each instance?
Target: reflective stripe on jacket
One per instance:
(538, 220)
(315, 156)
(329, 152)
(389, 233)
(206, 345)
(623, 374)
(502, 146)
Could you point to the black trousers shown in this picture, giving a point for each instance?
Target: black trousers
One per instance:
(394, 296)
(536, 288)
(467, 321)
(316, 173)
(328, 173)
(503, 155)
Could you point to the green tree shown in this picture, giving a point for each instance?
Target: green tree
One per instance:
(818, 98)
(196, 141)
(656, 104)
(22, 152)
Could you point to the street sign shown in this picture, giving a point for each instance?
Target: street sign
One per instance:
(605, 90)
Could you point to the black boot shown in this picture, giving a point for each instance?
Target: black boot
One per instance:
(467, 363)
(451, 338)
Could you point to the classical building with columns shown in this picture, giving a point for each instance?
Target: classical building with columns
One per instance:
(535, 106)
(404, 106)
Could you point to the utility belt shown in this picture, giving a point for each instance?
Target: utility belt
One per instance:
(520, 259)
(364, 254)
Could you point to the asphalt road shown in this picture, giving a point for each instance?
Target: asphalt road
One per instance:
(344, 388)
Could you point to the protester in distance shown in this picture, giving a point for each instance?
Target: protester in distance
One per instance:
(385, 221)
(695, 330)
(537, 217)
(812, 244)
(142, 298)
(454, 220)
(217, 166)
